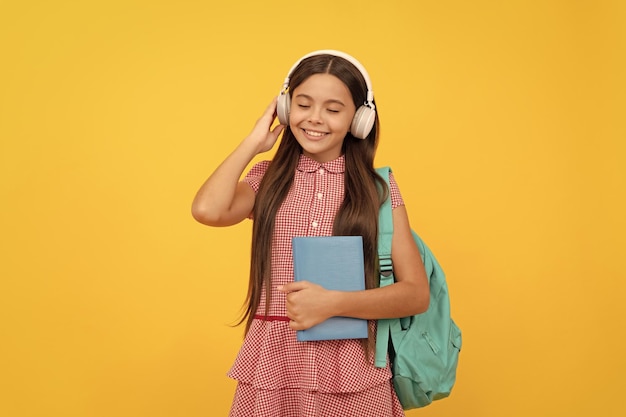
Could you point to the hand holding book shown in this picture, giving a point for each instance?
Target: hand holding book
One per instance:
(308, 304)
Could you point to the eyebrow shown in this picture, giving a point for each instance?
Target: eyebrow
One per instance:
(326, 102)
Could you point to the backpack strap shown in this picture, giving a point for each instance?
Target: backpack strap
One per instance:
(385, 234)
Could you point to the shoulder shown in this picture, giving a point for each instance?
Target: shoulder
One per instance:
(256, 173)
(259, 168)
(394, 192)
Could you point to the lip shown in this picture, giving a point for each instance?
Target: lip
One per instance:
(312, 134)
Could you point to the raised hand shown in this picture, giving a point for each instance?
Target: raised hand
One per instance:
(262, 134)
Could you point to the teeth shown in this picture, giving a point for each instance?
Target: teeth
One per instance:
(316, 134)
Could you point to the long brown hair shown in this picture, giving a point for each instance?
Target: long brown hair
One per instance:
(364, 188)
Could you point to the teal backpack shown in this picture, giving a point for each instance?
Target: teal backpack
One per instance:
(423, 349)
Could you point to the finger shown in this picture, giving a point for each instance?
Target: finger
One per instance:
(276, 131)
(271, 108)
(292, 286)
(294, 325)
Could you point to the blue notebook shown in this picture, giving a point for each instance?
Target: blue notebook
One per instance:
(335, 263)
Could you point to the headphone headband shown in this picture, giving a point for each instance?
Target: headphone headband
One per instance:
(370, 92)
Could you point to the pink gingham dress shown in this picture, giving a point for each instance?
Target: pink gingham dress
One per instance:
(279, 376)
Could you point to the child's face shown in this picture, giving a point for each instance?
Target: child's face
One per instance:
(322, 110)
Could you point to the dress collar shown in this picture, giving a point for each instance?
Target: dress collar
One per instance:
(306, 164)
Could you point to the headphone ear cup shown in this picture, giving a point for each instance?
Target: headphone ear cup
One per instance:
(363, 122)
(282, 108)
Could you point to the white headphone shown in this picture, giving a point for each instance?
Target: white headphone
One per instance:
(365, 115)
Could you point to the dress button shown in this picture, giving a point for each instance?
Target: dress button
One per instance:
(321, 171)
(314, 225)
(320, 196)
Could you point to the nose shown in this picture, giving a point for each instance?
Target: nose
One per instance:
(315, 116)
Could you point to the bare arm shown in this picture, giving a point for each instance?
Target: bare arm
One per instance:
(309, 304)
(223, 200)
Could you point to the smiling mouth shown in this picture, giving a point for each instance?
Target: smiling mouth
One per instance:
(314, 133)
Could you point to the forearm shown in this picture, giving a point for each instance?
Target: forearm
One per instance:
(222, 200)
(216, 196)
(400, 299)
(409, 295)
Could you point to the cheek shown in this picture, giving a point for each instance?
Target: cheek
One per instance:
(295, 114)
(343, 122)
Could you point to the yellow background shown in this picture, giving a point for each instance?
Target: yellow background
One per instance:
(503, 121)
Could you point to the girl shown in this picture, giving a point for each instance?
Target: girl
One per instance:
(321, 182)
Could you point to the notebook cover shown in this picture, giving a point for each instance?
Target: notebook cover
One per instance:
(335, 263)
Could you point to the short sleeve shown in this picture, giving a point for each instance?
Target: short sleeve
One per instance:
(255, 175)
(394, 190)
